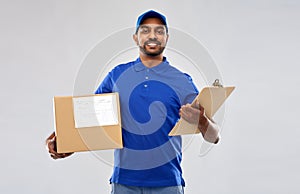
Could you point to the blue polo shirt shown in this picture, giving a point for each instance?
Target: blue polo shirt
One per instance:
(150, 99)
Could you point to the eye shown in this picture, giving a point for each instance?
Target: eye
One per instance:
(160, 31)
(144, 30)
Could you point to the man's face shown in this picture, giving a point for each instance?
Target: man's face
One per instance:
(151, 37)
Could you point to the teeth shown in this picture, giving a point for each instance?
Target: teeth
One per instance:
(152, 44)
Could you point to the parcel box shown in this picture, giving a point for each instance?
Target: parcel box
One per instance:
(85, 123)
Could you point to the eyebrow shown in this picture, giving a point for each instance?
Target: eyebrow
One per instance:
(149, 25)
(155, 27)
(144, 26)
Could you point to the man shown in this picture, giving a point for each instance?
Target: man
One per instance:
(153, 95)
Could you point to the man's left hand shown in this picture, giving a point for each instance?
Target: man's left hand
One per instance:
(194, 114)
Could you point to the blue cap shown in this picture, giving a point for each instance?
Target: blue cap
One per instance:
(151, 14)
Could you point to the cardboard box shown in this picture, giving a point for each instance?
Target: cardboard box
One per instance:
(72, 139)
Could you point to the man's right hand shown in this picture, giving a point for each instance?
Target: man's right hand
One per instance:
(51, 146)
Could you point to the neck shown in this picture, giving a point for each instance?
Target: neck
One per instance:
(151, 61)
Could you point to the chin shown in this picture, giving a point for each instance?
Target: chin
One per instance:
(153, 53)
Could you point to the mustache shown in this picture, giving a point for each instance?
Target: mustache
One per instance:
(155, 41)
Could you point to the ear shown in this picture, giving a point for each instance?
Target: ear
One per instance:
(135, 38)
(167, 38)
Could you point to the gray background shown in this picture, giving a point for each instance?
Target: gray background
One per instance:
(254, 43)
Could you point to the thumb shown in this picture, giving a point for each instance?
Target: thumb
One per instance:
(201, 108)
(196, 104)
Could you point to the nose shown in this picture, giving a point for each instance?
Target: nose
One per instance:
(152, 34)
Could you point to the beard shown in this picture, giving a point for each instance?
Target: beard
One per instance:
(150, 53)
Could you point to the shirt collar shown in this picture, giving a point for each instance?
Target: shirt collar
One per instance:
(139, 66)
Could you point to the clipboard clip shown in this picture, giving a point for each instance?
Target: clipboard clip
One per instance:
(217, 83)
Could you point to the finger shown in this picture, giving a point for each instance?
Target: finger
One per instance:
(186, 108)
(54, 157)
(57, 156)
(202, 112)
(183, 114)
(51, 147)
(66, 154)
(63, 155)
(182, 110)
(201, 108)
(50, 137)
(69, 154)
(196, 104)
(192, 110)
(186, 115)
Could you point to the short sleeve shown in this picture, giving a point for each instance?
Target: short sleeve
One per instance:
(193, 91)
(106, 85)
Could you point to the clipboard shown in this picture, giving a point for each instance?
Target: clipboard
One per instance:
(72, 139)
(211, 98)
